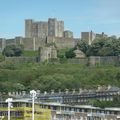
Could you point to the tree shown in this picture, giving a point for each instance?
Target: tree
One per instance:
(83, 46)
(104, 47)
(105, 51)
(95, 47)
(113, 44)
(13, 50)
(70, 53)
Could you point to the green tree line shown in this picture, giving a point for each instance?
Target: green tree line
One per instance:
(99, 47)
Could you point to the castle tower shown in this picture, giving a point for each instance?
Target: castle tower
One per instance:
(55, 28)
(60, 28)
(88, 36)
(42, 29)
(68, 34)
(28, 28)
(52, 25)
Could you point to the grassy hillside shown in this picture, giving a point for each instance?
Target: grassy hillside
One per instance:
(28, 76)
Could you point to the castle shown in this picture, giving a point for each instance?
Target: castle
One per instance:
(40, 33)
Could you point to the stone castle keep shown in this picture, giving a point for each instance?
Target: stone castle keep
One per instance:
(52, 27)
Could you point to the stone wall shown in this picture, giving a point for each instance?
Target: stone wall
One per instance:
(97, 61)
(21, 59)
(39, 42)
(28, 44)
(62, 42)
(10, 42)
(68, 34)
(35, 43)
(82, 61)
(46, 53)
(32, 44)
(2, 44)
(104, 61)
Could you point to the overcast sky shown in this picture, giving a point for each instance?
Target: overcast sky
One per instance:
(78, 15)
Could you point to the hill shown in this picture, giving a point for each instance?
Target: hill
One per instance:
(26, 76)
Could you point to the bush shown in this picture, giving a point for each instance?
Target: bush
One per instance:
(12, 50)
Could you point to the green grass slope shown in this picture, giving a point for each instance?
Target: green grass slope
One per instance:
(26, 76)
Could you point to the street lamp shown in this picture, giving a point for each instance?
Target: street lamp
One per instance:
(33, 94)
(9, 100)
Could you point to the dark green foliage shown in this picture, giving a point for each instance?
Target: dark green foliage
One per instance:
(1, 57)
(83, 46)
(26, 76)
(106, 51)
(96, 46)
(101, 47)
(13, 50)
(70, 53)
(61, 53)
(118, 76)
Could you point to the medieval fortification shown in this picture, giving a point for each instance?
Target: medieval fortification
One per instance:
(40, 33)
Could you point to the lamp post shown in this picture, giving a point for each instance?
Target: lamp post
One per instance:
(9, 100)
(33, 94)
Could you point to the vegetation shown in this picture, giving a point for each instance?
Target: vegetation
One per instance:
(55, 76)
(30, 53)
(70, 53)
(61, 53)
(101, 47)
(17, 50)
(83, 46)
(1, 57)
(13, 50)
(47, 76)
